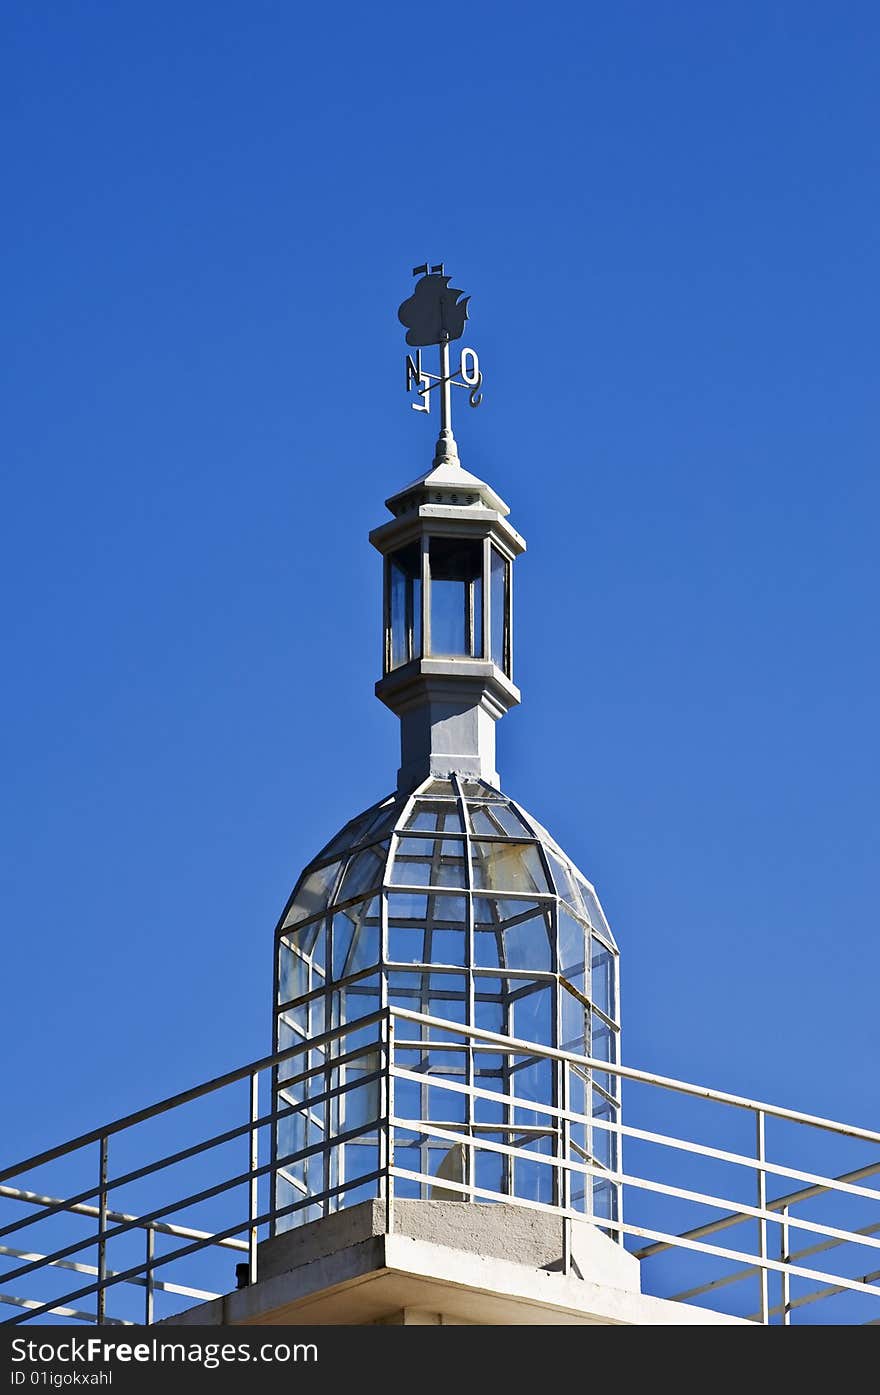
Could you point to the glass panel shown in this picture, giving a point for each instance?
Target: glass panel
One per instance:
(533, 1021)
(572, 949)
(357, 1000)
(434, 818)
(404, 605)
(312, 894)
(347, 837)
(364, 871)
(356, 938)
(508, 867)
(397, 603)
(479, 789)
(488, 1016)
(602, 987)
(293, 974)
(592, 907)
(358, 1107)
(429, 862)
(510, 933)
(526, 945)
(499, 910)
(564, 882)
(497, 820)
(533, 1080)
(407, 905)
(498, 610)
(383, 820)
(488, 952)
(603, 1047)
(573, 1023)
(448, 947)
(438, 789)
(436, 934)
(456, 595)
(534, 1180)
(409, 991)
(489, 1171)
(477, 614)
(288, 1037)
(450, 1002)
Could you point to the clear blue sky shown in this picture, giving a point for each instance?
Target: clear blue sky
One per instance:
(666, 215)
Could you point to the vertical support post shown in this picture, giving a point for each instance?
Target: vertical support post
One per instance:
(785, 1257)
(426, 595)
(760, 1140)
(150, 1284)
(487, 591)
(564, 1136)
(389, 1125)
(254, 1181)
(446, 448)
(445, 391)
(103, 1146)
(470, 1062)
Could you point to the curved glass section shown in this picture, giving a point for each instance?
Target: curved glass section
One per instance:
(456, 908)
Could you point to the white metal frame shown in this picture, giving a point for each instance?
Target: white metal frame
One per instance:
(394, 1032)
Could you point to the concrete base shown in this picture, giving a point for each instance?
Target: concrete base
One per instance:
(445, 1262)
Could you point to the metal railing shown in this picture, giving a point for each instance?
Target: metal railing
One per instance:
(228, 1183)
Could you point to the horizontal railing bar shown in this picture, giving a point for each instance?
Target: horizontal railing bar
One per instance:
(724, 1282)
(641, 1183)
(822, 1247)
(429, 1044)
(184, 1250)
(149, 1169)
(33, 1303)
(73, 1203)
(193, 1200)
(219, 1082)
(822, 1185)
(514, 1044)
(646, 1077)
(475, 1040)
(606, 1223)
(331, 1063)
(777, 1204)
(817, 1295)
(832, 1244)
(164, 1228)
(666, 1140)
(810, 1193)
(777, 1266)
(112, 1273)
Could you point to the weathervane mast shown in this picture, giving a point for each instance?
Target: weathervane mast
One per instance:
(434, 314)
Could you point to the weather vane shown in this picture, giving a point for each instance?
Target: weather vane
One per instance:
(435, 314)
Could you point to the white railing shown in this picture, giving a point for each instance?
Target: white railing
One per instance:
(709, 1205)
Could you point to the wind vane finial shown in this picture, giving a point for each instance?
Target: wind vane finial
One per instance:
(435, 314)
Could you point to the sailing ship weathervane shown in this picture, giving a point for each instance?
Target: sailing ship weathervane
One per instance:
(436, 314)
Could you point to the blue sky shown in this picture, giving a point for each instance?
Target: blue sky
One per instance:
(667, 218)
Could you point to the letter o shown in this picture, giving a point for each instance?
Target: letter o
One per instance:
(470, 367)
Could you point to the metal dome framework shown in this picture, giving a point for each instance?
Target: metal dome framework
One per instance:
(455, 903)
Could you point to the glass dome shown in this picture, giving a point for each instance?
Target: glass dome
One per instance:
(455, 903)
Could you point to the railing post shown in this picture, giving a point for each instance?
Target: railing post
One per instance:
(254, 1182)
(148, 1301)
(103, 1146)
(762, 1224)
(785, 1257)
(563, 1138)
(388, 1126)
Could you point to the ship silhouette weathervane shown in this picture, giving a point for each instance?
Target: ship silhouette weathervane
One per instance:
(435, 313)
